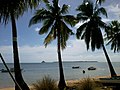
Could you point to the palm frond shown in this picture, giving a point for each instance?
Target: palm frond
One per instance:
(39, 16)
(101, 11)
(46, 1)
(87, 36)
(49, 38)
(49, 7)
(80, 30)
(32, 3)
(46, 26)
(86, 8)
(100, 1)
(96, 39)
(113, 35)
(64, 9)
(70, 19)
(65, 34)
(82, 17)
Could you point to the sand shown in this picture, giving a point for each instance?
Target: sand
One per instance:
(69, 82)
(7, 89)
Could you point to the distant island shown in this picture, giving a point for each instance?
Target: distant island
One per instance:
(43, 62)
(75, 61)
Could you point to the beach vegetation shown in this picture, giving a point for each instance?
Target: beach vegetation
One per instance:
(91, 29)
(55, 20)
(87, 84)
(47, 83)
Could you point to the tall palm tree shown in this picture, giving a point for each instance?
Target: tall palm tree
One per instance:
(113, 35)
(91, 28)
(10, 10)
(55, 24)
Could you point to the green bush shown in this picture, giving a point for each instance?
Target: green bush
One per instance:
(47, 83)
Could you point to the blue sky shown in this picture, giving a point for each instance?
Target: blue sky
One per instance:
(31, 46)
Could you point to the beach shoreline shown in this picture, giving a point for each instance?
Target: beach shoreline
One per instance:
(68, 82)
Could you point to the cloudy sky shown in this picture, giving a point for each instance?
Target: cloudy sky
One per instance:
(31, 46)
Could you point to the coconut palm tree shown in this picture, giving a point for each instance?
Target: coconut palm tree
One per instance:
(55, 25)
(91, 28)
(113, 35)
(10, 10)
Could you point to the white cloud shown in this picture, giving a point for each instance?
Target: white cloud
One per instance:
(78, 24)
(37, 29)
(76, 50)
(106, 20)
(113, 10)
(6, 52)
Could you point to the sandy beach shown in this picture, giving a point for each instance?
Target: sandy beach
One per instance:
(7, 89)
(68, 82)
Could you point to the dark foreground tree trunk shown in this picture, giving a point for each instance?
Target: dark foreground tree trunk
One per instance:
(18, 75)
(62, 83)
(112, 71)
(9, 71)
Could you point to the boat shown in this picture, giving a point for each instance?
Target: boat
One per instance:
(110, 81)
(5, 70)
(75, 67)
(91, 68)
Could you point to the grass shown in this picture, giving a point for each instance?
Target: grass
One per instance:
(88, 84)
(47, 83)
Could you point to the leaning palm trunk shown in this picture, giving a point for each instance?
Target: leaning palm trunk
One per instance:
(9, 71)
(62, 83)
(18, 75)
(112, 71)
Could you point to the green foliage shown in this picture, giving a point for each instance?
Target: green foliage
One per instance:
(55, 20)
(113, 35)
(47, 83)
(92, 25)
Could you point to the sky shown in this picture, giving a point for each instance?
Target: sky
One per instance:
(32, 49)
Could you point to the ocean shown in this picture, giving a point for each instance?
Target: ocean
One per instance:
(35, 71)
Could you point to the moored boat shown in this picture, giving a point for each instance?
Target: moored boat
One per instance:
(5, 70)
(75, 67)
(91, 68)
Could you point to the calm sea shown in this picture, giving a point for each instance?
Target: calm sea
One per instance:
(35, 71)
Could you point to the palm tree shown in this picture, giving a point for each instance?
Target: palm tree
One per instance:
(10, 10)
(55, 20)
(90, 30)
(113, 35)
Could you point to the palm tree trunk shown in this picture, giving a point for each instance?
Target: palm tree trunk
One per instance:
(112, 71)
(9, 71)
(62, 83)
(18, 75)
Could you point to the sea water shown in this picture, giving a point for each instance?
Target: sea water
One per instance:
(35, 71)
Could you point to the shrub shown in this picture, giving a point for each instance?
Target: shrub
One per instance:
(87, 84)
(47, 83)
